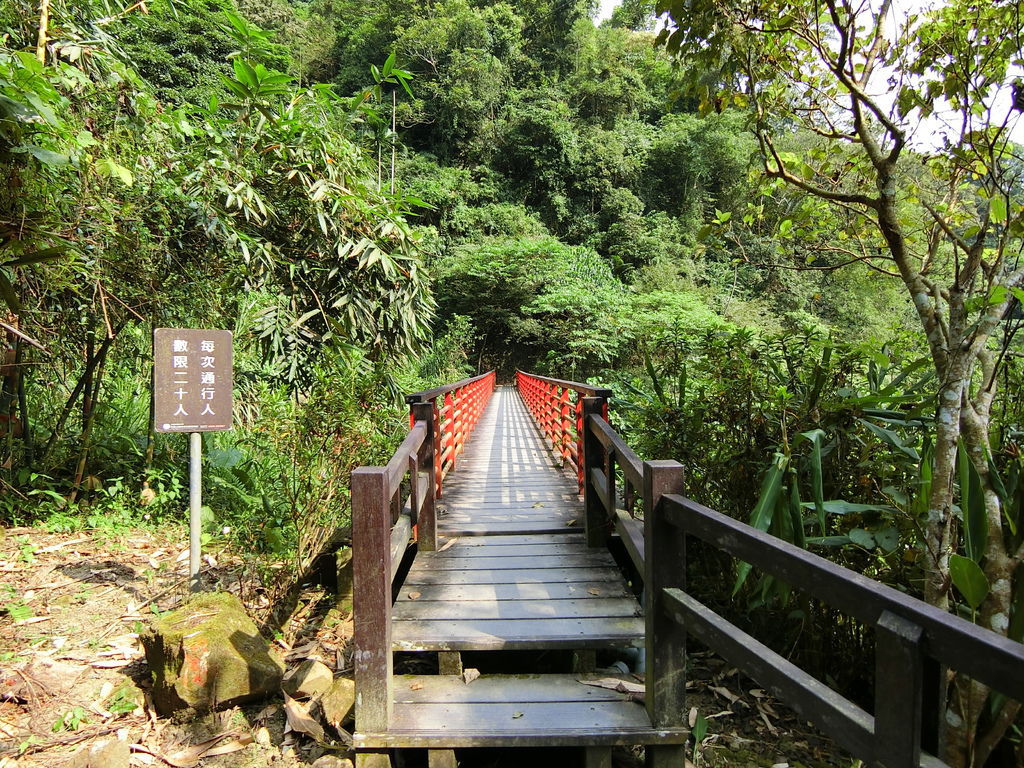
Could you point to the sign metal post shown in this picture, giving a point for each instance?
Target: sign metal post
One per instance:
(192, 386)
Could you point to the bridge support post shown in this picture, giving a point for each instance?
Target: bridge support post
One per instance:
(898, 662)
(426, 518)
(664, 566)
(371, 573)
(595, 522)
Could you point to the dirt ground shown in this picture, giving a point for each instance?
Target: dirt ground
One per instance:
(72, 671)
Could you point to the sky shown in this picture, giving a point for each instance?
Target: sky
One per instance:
(605, 11)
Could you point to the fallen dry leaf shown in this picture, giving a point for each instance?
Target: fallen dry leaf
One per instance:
(469, 675)
(189, 757)
(448, 544)
(111, 663)
(416, 687)
(725, 693)
(692, 719)
(227, 747)
(634, 691)
(300, 720)
(414, 595)
(594, 591)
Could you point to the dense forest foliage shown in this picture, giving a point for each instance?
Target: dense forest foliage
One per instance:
(380, 197)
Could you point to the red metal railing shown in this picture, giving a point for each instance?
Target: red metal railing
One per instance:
(557, 407)
(457, 409)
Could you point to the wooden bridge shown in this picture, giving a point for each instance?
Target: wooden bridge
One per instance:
(507, 502)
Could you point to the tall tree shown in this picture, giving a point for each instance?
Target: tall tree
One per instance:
(881, 90)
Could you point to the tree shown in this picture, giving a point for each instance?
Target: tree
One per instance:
(947, 222)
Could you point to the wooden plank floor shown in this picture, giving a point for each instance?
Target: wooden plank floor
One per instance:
(513, 711)
(512, 570)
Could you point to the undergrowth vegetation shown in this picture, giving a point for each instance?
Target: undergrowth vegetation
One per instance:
(377, 198)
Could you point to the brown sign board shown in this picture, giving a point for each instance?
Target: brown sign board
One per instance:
(192, 380)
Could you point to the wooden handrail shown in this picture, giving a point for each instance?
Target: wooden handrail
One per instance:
(583, 389)
(915, 641)
(433, 394)
(985, 656)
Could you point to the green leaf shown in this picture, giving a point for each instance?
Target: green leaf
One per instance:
(969, 579)
(862, 538)
(45, 156)
(111, 169)
(840, 507)
(888, 539)
(36, 257)
(763, 512)
(815, 436)
(8, 294)
(829, 541)
(655, 381)
(890, 437)
(795, 515)
(997, 209)
(972, 507)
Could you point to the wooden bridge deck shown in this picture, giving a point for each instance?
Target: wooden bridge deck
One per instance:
(512, 569)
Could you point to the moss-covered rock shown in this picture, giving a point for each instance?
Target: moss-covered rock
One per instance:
(208, 654)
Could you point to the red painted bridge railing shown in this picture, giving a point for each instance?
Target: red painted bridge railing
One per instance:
(457, 409)
(558, 408)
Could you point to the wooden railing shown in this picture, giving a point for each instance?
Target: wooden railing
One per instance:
(457, 408)
(384, 521)
(557, 406)
(915, 643)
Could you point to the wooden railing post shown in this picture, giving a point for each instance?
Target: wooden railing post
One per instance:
(664, 567)
(898, 685)
(371, 573)
(596, 518)
(426, 519)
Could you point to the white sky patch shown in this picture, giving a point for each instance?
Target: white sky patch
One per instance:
(604, 10)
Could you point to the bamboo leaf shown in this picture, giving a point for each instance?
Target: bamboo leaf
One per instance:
(8, 294)
(36, 257)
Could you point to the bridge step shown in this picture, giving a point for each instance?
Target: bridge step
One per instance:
(437, 712)
(486, 593)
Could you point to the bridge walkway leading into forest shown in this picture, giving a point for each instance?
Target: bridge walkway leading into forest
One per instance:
(517, 519)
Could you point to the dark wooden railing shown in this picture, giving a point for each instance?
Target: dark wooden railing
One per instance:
(384, 521)
(457, 408)
(557, 406)
(915, 643)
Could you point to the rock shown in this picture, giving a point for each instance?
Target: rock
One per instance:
(308, 680)
(208, 654)
(338, 702)
(102, 753)
(330, 761)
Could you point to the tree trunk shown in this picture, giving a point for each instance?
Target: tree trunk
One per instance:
(969, 741)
